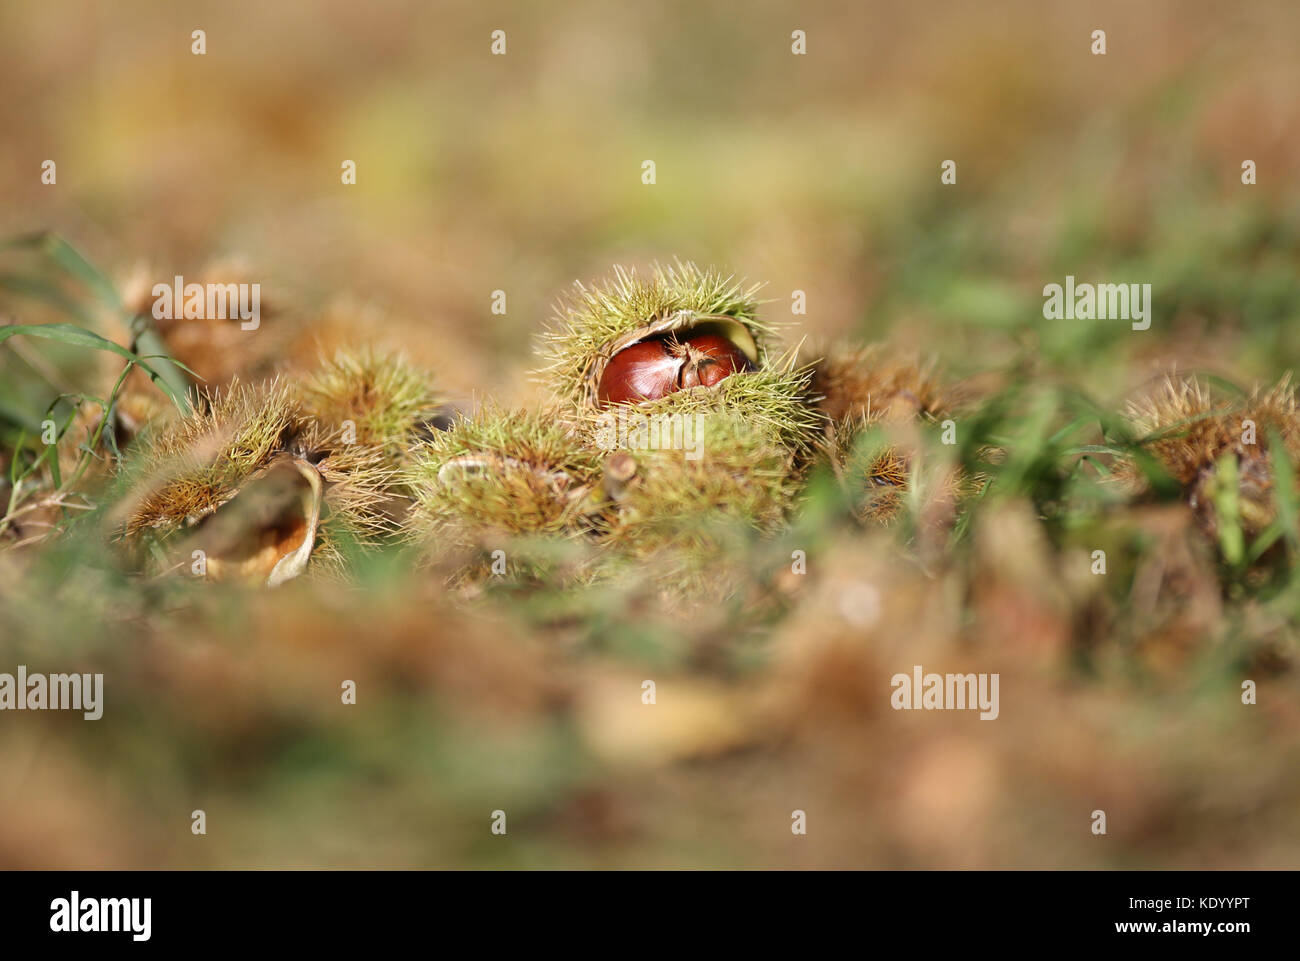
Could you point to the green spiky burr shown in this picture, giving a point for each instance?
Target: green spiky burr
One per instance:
(736, 473)
(371, 398)
(503, 472)
(705, 453)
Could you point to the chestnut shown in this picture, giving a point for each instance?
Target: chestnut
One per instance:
(655, 368)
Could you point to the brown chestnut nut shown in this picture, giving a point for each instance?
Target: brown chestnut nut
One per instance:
(655, 368)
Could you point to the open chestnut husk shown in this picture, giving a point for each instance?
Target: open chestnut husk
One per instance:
(262, 488)
(636, 338)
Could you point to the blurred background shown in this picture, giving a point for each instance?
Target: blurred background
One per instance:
(819, 172)
(522, 173)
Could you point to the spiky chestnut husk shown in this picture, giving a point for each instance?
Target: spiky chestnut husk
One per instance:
(879, 476)
(387, 401)
(668, 517)
(225, 480)
(859, 387)
(852, 382)
(1189, 432)
(501, 473)
(743, 479)
(594, 324)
